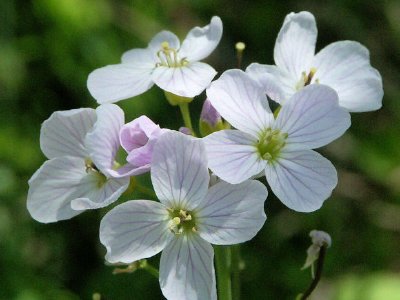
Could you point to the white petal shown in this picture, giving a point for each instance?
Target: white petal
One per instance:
(102, 142)
(232, 214)
(139, 57)
(64, 132)
(201, 41)
(135, 230)
(312, 118)
(187, 81)
(52, 186)
(179, 170)
(302, 180)
(187, 270)
(98, 192)
(162, 37)
(345, 67)
(240, 101)
(295, 45)
(118, 82)
(278, 84)
(232, 155)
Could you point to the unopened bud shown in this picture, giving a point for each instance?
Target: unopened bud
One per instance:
(210, 119)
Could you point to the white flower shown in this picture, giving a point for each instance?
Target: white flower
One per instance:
(187, 219)
(301, 178)
(173, 67)
(81, 146)
(343, 66)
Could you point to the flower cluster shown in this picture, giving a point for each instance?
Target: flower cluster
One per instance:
(206, 187)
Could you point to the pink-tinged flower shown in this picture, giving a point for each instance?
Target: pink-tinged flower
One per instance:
(210, 119)
(173, 67)
(75, 177)
(189, 217)
(343, 66)
(301, 178)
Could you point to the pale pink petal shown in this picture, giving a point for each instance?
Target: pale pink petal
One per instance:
(135, 230)
(302, 180)
(232, 155)
(186, 81)
(295, 45)
(179, 170)
(102, 142)
(187, 270)
(118, 82)
(241, 102)
(232, 213)
(64, 132)
(312, 118)
(345, 66)
(201, 41)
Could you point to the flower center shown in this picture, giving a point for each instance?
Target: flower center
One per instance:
(270, 143)
(93, 170)
(182, 221)
(306, 79)
(169, 57)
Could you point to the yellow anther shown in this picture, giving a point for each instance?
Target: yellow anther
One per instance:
(240, 46)
(165, 45)
(176, 221)
(194, 229)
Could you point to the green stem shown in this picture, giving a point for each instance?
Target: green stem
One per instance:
(235, 255)
(184, 107)
(222, 262)
(149, 268)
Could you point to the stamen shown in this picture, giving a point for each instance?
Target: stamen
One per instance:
(270, 144)
(168, 57)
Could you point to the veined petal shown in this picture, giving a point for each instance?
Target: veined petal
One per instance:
(312, 118)
(302, 180)
(187, 270)
(102, 142)
(345, 66)
(201, 41)
(295, 45)
(240, 101)
(232, 155)
(179, 170)
(278, 84)
(135, 230)
(64, 132)
(97, 192)
(187, 81)
(232, 214)
(118, 82)
(51, 189)
(162, 37)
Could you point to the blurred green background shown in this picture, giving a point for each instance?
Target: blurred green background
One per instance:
(47, 50)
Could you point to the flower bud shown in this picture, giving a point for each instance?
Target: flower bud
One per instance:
(210, 120)
(319, 239)
(138, 138)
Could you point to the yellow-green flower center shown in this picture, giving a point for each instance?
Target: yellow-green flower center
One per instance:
(91, 168)
(182, 221)
(169, 57)
(270, 144)
(306, 79)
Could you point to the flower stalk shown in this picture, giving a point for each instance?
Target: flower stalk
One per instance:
(223, 266)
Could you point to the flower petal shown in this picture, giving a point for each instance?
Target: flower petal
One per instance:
(162, 37)
(277, 83)
(179, 170)
(102, 142)
(312, 118)
(295, 45)
(187, 270)
(64, 132)
(139, 57)
(187, 81)
(232, 214)
(232, 155)
(302, 180)
(98, 192)
(51, 189)
(345, 67)
(118, 82)
(201, 41)
(240, 101)
(135, 230)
